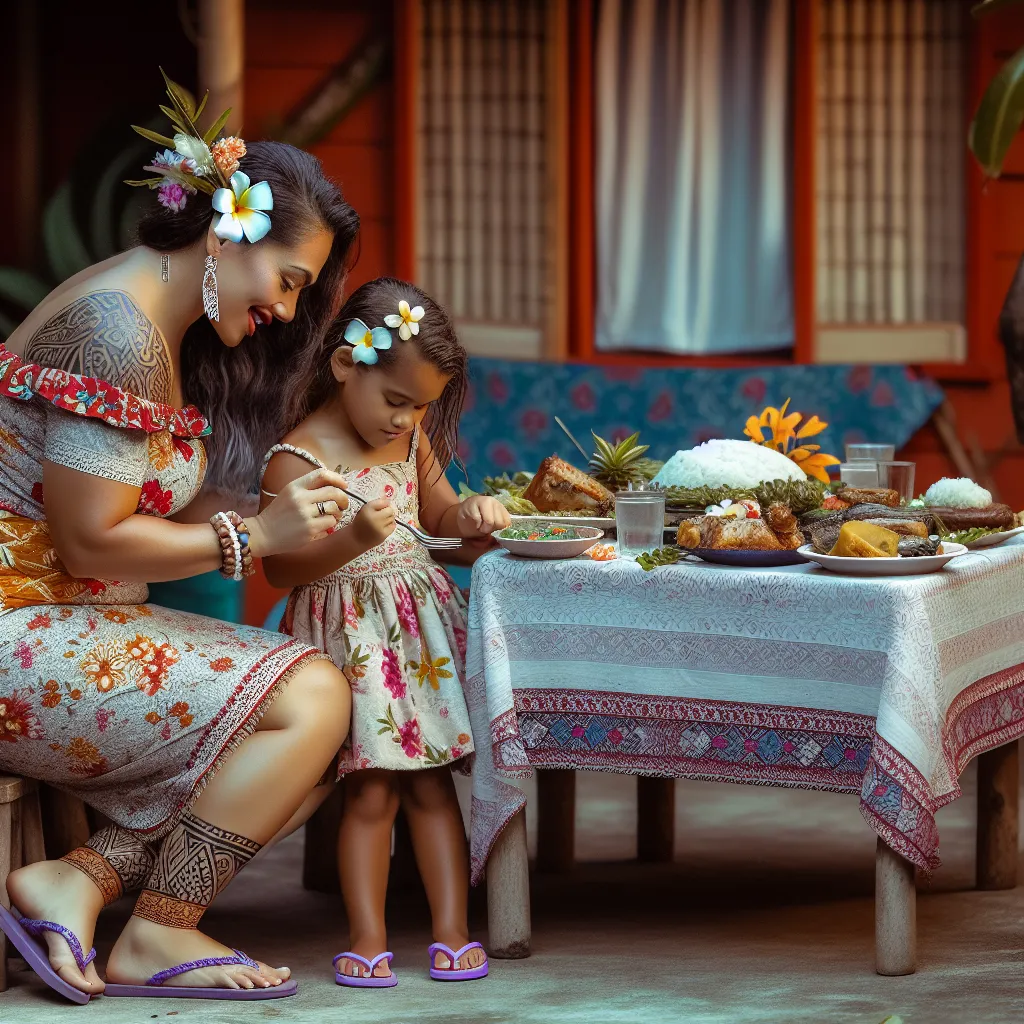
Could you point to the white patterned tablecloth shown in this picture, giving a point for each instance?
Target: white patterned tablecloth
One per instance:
(787, 677)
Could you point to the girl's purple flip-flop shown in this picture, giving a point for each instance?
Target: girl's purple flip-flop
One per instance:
(355, 981)
(155, 987)
(453, 972)
(25, 934)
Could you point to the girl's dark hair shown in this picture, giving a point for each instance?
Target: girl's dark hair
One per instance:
(253, 393)
(437, 342)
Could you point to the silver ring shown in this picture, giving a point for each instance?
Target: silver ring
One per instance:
(320, 508)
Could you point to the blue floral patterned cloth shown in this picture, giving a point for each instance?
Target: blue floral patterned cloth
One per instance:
(508, 423)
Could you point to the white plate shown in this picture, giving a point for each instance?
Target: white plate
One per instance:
(550, 548)
(598, 522)
(990, 540)
(884, 566)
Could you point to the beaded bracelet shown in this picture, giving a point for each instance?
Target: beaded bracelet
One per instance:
(236, 558)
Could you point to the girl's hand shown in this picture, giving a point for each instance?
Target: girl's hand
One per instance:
(480, 516)
(374, 523)
(293, 520)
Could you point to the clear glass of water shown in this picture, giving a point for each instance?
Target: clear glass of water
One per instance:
(639, 521)
(898, 476)
(871, 452)
(862, 473)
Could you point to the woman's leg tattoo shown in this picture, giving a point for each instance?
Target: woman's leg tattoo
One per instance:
(115, 859)
(194, 863)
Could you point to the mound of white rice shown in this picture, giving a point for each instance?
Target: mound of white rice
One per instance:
(959, 493)
(727, 464)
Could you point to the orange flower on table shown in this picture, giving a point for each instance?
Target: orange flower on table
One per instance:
(222, 664)
(784, 436)
(153, 660)
(105, 667)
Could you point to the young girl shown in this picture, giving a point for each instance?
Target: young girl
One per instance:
(372, 598)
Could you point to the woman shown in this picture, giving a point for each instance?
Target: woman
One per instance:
(198, 739)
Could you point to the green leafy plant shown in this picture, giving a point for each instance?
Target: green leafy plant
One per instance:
(1001, 110)
(649, 560)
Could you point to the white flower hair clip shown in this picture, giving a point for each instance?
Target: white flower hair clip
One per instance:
(366, 342)
(406, 320)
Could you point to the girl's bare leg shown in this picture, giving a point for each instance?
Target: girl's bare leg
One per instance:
(251, 797)
(364, 858)
(439, 841)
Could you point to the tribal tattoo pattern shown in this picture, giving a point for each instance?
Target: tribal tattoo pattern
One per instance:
(105, 335)
(194, 863)
(116, 860)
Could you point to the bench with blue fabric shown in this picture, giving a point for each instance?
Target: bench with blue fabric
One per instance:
(508, 423)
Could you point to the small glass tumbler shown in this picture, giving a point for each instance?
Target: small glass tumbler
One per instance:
(898, 476)
(639, 521)
(872, 452)
(863, 473)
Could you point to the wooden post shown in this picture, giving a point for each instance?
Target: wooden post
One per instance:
(508, 893)
(655, 819)
(998, 811)
(5, 867)
(220, 48)
(556, 819)
(65, 824)
(320, 853)
(28, 125)
(33, 844)
(895, 913)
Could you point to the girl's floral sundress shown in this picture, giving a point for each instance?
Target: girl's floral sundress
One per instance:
(395, 623)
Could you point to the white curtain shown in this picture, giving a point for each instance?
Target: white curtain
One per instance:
(693, 144)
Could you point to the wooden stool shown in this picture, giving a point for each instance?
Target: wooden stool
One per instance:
(21, 840)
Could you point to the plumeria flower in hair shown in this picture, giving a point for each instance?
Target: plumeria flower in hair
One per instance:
(242, 207)
(365, 342)
(406, 320)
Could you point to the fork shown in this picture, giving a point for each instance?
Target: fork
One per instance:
(437, 543)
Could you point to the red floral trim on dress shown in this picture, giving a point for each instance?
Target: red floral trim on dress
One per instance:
(87, 396)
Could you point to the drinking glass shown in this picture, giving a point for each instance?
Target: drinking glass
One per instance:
(897, 476)
(872, 452)
(639, 521)
(863, 473)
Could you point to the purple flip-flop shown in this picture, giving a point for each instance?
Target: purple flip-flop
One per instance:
(354, 981)
(25, 935)
(155, 987)
(453, 972)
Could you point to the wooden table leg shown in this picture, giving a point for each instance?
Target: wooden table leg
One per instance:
(65, 824)
(998, 811)
(33, 845)
(895, 913)
(508, 893)
(655, 819)
(556, 819)
(5, 863)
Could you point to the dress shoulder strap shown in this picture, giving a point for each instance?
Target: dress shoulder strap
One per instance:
(414, 445)
(291, 450)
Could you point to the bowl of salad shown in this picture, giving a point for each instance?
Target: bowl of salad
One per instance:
(544, 539)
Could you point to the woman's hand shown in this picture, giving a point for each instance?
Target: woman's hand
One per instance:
(374, 523)
(480, 516)
(293, 520)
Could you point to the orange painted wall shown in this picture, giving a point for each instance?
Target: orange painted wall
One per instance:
(288, 50)
(996, 230)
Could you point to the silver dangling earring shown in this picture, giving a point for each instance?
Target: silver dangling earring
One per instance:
(210, 298)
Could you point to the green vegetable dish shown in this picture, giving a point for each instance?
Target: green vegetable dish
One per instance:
(541, 531)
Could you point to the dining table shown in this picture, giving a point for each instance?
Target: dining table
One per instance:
(884, 688)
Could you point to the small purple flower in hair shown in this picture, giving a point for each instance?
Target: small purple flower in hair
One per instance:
(173, 196)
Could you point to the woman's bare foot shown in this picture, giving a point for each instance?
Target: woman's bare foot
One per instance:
(52, 890)
(144, 949)
(368, 948)
(470, 959)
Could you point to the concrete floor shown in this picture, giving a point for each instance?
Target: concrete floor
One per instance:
(766, 918)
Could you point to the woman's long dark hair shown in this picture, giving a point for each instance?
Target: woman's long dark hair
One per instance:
(253, 393)
(437, 342)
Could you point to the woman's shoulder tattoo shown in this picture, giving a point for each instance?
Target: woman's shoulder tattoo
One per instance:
(105, 335)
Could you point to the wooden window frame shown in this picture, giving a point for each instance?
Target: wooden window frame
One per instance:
(984, 353)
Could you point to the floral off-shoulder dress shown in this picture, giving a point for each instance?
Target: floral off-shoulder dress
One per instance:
(129, 706)
(395, 623)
